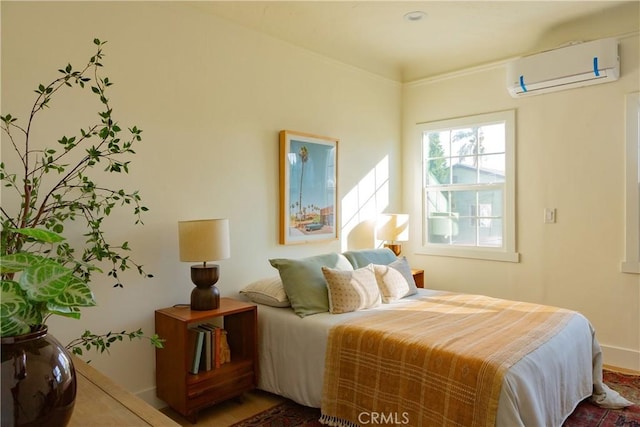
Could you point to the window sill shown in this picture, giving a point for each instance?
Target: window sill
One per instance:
(472, 253)
(630, 267)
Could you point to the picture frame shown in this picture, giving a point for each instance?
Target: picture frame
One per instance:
(308, 188)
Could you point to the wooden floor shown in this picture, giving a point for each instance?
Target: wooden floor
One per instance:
(230, 412)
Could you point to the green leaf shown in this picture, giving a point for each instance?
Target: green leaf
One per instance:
(16, 314)
(45, 280)
(20, 261)
(12, 326)
(62, 310)
(39, 234)
(157, 341)
(76, 294)
(11, 299)
(93, 152)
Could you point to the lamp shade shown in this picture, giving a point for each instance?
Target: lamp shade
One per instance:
(394, 227)
(204, 240)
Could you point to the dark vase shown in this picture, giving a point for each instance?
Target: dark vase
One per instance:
(38, 380)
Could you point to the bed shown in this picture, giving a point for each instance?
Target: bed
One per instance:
(541, 388)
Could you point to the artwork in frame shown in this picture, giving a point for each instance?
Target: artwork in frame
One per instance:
(308, 188)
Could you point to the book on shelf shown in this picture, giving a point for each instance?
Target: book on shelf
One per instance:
(220, 353)
(209, 346)
(225, 351)
(218, 330)
(214, 333)
(206, 358)
(196, 341)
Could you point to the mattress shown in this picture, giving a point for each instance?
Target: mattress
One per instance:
(541, 389)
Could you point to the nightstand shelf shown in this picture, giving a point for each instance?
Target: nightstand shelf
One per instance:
(187, 393)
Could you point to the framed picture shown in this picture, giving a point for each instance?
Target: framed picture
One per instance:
(308, 188)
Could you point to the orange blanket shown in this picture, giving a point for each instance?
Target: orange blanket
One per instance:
(437, 362)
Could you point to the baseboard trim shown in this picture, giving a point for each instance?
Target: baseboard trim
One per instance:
(621, 370)
(149, 396)
(619, 357)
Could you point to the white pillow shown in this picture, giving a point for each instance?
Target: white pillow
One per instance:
(395, 280)
(351, 290)
(268, 291)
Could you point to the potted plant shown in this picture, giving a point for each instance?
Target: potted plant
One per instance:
(43, 274)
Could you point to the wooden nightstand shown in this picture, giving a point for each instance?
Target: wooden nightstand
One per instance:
(187, 393)
(418, 276)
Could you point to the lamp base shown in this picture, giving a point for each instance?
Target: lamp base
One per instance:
(205, 296)
(396, 248)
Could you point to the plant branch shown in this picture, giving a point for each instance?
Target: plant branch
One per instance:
(56, 274)
(101, 343)
(44, 95)
(8, 122)
(54, 160)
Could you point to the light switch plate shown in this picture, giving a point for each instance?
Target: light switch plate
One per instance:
(549, 215)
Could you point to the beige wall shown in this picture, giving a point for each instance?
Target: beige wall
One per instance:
(570, 156)
(211, 98)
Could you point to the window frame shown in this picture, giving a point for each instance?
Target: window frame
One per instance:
(507, 252)
(631, 264)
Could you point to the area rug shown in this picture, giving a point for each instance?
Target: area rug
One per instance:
(286, 414)
(290, 414)
(588, 415)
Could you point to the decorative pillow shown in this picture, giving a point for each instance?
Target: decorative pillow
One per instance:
(351, 290)
(304, 283)
(362, 258)
(268, 291)
(395, 280)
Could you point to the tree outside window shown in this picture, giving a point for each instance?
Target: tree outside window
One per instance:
(468, 186)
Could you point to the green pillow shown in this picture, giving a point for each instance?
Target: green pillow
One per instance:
(364, 257)
(304, 282)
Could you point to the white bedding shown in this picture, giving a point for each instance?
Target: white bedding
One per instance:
(542, 389)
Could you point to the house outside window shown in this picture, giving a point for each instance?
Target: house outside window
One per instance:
(468, 187)
(631, 264)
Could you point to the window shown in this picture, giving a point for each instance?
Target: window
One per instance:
(468, 173)
(632, 214)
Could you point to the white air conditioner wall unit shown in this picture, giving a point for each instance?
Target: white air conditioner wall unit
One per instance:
(567, 67)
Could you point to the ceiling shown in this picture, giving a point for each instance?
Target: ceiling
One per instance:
(372, 35)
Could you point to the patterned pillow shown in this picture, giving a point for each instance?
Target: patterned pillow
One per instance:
(351, 290)
(395, 280)
(268, 291)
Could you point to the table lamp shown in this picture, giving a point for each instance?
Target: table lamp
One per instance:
(393, 228)
(201, 241)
